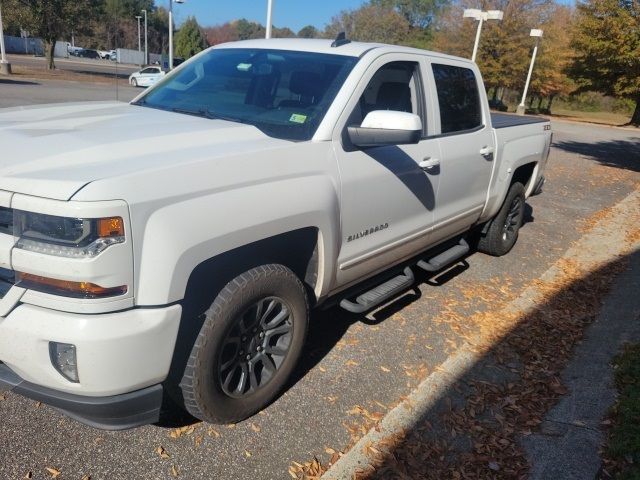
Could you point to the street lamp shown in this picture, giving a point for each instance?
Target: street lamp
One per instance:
(269, 18)
(171, 31)
(138, 17)
(481, 17)
(5, 66)
(146, 47)
(537, 33)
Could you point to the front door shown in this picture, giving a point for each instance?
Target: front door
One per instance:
(387, 199)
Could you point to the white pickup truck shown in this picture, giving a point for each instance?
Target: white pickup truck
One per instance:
(181, 253)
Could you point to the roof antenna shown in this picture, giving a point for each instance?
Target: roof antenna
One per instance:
(340, 40)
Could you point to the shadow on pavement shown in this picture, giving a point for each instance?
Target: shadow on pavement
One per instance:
(474, 429)
(10, 81)
(623, 154)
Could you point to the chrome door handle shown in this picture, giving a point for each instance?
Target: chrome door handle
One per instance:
(487, 152)
(429, 164)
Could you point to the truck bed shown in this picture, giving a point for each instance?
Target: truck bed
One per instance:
(504, 120)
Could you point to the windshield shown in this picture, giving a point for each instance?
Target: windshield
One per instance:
(283, 93)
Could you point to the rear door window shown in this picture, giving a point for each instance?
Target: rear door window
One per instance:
(458, 98)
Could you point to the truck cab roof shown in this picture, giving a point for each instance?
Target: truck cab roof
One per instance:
(352, 49)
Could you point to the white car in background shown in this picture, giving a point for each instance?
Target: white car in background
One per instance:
(146, 77)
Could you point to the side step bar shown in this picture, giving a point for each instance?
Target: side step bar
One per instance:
(383, 292)
(379, 294)
(445, 258)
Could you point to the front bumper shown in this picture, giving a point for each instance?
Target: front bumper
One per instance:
(116, 412)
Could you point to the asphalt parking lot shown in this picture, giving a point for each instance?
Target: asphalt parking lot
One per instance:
(352, 364)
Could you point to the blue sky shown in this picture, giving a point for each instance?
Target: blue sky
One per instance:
(294, 14)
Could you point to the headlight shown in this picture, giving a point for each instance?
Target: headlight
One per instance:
(64, 236)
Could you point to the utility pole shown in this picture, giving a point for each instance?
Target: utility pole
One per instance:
(537, 33)
(5, 66)
(138, 17)
(146, 37)
(269, 18)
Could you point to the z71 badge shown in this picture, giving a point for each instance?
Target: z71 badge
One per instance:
(367, 232)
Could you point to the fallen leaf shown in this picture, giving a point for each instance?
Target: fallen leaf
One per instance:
(162, 452)
(28, 476)
(174, 471)
(247, 453)
(255, 427)
(384, 369)
(54, 473)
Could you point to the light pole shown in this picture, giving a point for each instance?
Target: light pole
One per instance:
(537, 33)
(146, 46)
(5, 66)
(171, 31)
(481, 17)
(269, 18)
(138, 17)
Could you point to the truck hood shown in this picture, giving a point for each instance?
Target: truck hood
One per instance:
(53, 151)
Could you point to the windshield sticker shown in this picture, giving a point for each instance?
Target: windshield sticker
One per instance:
(297, 118)
(244, 67)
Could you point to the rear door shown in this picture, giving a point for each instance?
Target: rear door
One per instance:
(387, 199)
(467, 145)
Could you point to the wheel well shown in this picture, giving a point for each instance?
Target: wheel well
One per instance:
(523, 174)
(297, 250)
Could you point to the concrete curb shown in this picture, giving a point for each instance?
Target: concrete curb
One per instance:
(603, 242)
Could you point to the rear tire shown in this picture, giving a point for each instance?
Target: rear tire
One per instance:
(503, 230)
(249, 345)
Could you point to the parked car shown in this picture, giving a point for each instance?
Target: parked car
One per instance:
(177, 243)
(107, 54)
(88, 53)
(146, 77)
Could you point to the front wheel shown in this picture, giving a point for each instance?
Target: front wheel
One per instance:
(503, 230)
(249, 344)
(134, 82)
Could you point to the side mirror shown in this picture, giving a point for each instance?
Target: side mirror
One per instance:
(386, 127)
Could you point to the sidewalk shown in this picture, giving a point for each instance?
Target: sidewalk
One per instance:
(488, 411)
(570, 436)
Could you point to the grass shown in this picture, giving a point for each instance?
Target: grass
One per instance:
(607, 118)
(624, 437)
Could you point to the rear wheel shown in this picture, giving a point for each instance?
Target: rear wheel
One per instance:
(502, 233)
(249, 344)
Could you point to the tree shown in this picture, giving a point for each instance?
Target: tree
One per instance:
(419, 13)
(53, 19)
(221, 34)
(247, 29)
(550, 75)
(284, 32)
(309, 32)
(190, 39)
(607, 44)
(370, 24)
(505, 46)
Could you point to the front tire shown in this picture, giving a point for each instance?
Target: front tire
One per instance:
(249, 345)
(134, 82)
(505, 226)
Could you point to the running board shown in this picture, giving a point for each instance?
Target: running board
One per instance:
(445, 258)
(379, 294)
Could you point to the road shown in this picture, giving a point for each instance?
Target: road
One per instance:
(78, 65)
(16, 92)
(350, 361)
